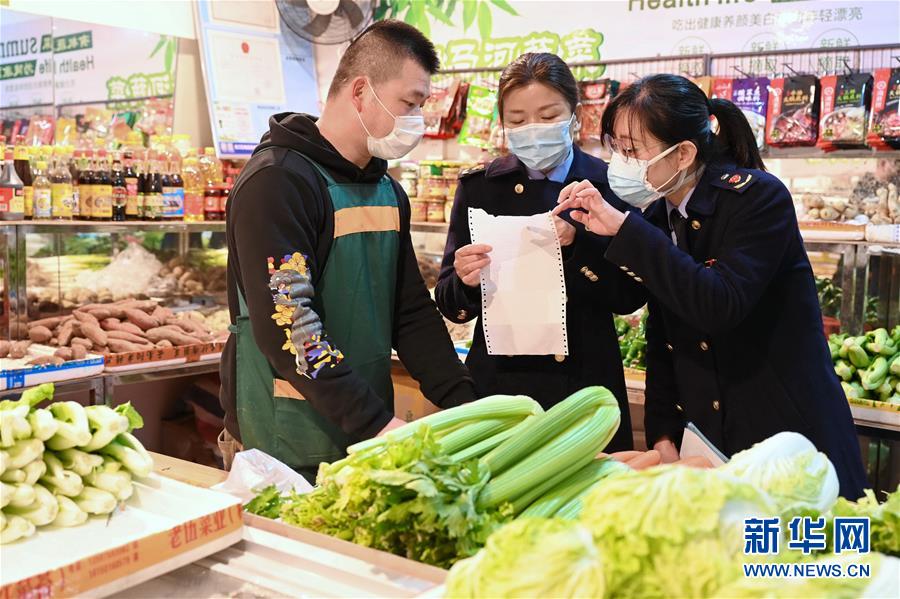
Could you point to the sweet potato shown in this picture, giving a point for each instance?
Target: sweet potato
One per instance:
(114, 324)
(147, 306)
(141, 319)
(46, 361)
(126, 336)
(101, 313)
(40, 334)
(4, 348)
(120, 346)
(66, 333)
(164, 344)
(94, 332)
(86, 317)
(19, 349)
(189, 326)
(162, 314)
(81, 341)
(171, 334)
(114, 310)
(79, 352)
(64, 352)
(50, 323)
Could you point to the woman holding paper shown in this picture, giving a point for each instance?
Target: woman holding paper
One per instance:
(735, 337)
(539, 111)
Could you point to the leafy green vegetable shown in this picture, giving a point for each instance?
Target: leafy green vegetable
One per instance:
(406, 498)
(532, 557)
(129, 451)
(69, 513)
(73, 426)
(105, 424)
(672, 531)
(884, 519)
(790, 469)
(268, 503)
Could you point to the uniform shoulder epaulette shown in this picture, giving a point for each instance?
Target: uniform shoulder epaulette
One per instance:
(738, 181)
(471, 171)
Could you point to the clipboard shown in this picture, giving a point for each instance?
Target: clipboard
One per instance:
(694, 443)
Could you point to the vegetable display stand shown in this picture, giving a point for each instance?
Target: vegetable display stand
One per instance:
(163, 526)
(15, 374)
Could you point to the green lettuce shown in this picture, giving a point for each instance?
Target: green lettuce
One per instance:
(532, 557)
(672, 531)
(884, 519)
(790, 469)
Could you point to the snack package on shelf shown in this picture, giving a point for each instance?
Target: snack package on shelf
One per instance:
(793, 115)
(438, 107)
(595, 95)
(751, 95)
(884, 127)
(481, 112)
(845, 105)
(40, 130)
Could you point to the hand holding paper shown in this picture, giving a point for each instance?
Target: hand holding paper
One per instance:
(523, 287)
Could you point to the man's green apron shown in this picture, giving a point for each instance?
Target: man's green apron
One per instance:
(355, 300)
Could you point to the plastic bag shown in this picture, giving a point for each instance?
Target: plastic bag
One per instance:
(254, 470)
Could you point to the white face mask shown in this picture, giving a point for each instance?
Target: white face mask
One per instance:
(541, 146)
(406, 134)
(628, 179)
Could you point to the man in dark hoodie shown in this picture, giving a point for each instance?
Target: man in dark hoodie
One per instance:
(314, 219)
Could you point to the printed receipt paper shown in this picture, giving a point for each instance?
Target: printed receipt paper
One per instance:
(523, 290)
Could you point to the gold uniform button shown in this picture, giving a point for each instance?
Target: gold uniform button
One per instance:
(462, 315)
(695, 225)
(716, 405)
(639, 280)
(594, 278)
(520, 189)
(624, 268)
(669, 347)
(584, 270)
(559, 358)
(704, 345)
(679, 408)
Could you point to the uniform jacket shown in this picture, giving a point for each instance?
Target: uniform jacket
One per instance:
(735, 337)
(594, 287)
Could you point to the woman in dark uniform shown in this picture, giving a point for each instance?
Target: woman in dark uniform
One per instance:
(538, 103)
(735, 342)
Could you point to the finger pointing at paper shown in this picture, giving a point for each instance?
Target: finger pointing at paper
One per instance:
(589, 208)
(469, 260)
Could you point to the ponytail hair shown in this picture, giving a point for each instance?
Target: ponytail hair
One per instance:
(735, 138)
(673, 109)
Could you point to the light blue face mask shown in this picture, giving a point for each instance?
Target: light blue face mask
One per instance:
(628, 179)
(542, 146)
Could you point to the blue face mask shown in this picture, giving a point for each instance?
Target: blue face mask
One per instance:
(628, 179)
(542, 146)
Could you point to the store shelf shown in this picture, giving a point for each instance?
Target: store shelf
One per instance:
(430, 227)
(806, 152)
(74, 226)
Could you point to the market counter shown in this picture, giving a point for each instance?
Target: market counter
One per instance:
(277, 560)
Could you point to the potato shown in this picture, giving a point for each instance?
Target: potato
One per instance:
(4, 348)
(46, 361)
(122, 347)
(79, 352)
